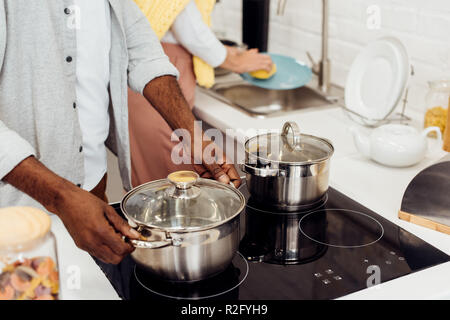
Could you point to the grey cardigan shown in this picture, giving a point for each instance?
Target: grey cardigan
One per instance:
(38, 114)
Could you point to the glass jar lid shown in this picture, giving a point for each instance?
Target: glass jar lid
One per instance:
(182, 202)
(440, 85)
(22, 227)
(291, 147)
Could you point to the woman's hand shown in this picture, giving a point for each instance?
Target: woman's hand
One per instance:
(246, 61)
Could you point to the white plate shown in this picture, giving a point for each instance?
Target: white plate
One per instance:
(377, 80)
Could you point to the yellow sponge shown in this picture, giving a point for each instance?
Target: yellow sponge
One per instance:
(263, 74)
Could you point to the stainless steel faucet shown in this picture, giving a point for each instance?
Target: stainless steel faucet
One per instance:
(323, 68)
(281, 7)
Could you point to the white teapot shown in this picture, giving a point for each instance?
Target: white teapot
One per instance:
(394, 145)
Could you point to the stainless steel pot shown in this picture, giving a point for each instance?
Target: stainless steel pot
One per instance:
(190, 226)
(287, 171)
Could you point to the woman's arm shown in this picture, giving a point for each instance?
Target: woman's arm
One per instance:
(194, 35)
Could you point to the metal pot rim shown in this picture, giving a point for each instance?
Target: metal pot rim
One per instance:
(184, 229)
(297, 163)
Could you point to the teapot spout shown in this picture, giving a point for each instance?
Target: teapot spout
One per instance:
(362, 141)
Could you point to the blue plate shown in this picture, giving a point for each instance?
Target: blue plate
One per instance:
(290, 74)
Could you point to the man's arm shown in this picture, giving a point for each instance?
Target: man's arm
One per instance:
(152, 74)
(33, 178)
(92, 223)
(166, 96)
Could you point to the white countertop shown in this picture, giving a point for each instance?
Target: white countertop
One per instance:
(80, 277)
(376, 187)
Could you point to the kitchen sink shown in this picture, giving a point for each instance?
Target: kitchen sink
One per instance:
(259, 102)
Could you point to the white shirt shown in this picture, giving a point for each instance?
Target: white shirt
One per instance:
(93, 74)
(191, 32)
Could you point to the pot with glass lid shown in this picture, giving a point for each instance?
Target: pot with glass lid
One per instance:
(189, 226)
(287, 171)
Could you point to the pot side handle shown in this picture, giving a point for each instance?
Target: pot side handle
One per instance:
(261, 172)
(142, 244)
(139, 244)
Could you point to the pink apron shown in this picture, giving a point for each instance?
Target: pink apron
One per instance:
(150, 134)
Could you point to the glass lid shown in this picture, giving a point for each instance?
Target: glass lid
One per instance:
(182, 202)
(290, 147)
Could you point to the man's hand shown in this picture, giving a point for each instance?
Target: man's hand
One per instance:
(94, 226)
(220, 170)
(166, 97)
(224, 173)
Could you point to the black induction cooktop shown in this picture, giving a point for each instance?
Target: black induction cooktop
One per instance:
(332, 250)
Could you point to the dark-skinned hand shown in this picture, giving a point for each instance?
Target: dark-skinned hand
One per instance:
(95, 226)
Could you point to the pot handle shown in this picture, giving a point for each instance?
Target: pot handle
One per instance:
(143, 244)
(140, 244)
(262, 172)
(296, 134)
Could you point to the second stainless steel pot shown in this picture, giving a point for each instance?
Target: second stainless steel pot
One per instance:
(288, 172)
(190, 226)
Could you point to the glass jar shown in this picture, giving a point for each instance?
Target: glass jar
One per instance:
(28, 255)
(437, 104)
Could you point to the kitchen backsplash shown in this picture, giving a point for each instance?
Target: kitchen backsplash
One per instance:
(422, 25)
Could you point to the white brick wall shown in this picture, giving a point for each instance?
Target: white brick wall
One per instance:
(422, 25)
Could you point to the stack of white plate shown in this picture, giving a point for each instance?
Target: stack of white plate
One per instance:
(377, 81)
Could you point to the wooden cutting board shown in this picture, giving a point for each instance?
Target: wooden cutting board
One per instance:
(427, 199)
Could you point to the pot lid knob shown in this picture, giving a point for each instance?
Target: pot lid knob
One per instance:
(184, 182)
(295, 144)
(183, 179)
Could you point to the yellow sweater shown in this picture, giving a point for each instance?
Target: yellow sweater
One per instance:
(162, 14)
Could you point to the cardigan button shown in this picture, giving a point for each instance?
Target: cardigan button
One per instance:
(69, 59)
(67, 11)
